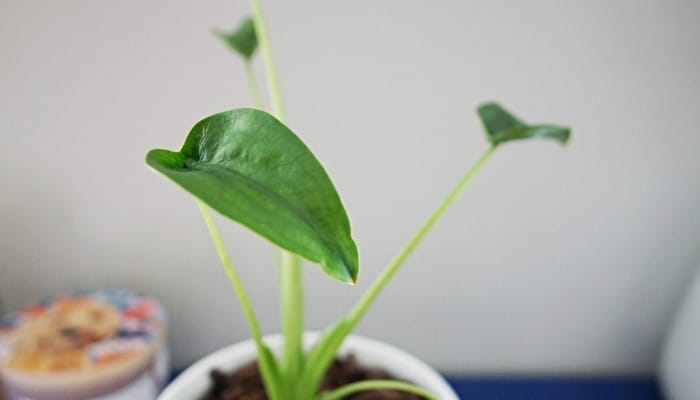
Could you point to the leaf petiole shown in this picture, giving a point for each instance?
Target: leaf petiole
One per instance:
(269, 61)
(255, 97)
(346, 390)
(292, 316)
(390, 270)
(267, 363)
(323, 353)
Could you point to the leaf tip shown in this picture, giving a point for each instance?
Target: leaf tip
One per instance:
(566, 135)
(344, 269)
(160, 159)
(219, 34)
(152, 156)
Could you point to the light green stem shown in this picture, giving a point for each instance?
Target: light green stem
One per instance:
(374, 385)
(231, 273)
(255, 97)
(273, 84)
(267, 367)
(371, 294)
(323, 353)
(293, 312)
(291, 270)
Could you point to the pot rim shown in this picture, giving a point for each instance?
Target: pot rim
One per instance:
(194, 381)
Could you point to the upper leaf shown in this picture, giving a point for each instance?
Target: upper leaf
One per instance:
(250, 167)
(502, 126)
(242, 40)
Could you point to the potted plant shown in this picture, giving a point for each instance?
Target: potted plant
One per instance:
(249, 166)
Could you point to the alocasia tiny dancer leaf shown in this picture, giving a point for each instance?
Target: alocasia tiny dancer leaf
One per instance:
(250, 167)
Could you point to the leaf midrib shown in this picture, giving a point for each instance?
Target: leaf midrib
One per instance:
(190, 163)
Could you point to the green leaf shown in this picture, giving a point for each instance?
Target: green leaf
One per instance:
(502, 126)
(251, 168)
(322, 354)
(269, 369)
(243, 40)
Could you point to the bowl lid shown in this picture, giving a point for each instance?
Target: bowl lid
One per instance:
(80, 333)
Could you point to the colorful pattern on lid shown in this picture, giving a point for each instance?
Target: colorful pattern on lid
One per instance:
(80, 331)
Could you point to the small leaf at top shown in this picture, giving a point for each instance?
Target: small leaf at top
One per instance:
(250, 167)
(502, 126)
(243, 40)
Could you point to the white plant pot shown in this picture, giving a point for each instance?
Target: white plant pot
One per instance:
(193, 383)
(680, 364)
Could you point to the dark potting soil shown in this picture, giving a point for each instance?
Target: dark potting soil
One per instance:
(246, 383)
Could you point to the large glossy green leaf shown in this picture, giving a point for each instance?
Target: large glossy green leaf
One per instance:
(502, 126)
(242, 40)
(251, 168)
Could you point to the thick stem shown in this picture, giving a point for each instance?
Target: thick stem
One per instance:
(375, 385)
(390, 270)
(291, 271)
(253, 88)
(293, 312)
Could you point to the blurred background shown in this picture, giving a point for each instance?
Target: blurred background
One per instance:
(566, 260)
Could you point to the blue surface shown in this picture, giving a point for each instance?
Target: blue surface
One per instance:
(597, 388)
(552, 388)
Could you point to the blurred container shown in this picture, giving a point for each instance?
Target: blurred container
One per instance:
(680, 364)
(91, 344)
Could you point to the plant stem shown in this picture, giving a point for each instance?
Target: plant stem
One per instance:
(325, 349)
(371, 294)
(269, 61)
(293, 312)
(291, 269)
(255, 97)
(231, 273)
(376, 384)
(266, 362)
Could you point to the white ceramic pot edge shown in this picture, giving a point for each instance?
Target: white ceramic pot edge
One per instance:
(194, 381)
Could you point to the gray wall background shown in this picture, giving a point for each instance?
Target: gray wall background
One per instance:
(556, 259)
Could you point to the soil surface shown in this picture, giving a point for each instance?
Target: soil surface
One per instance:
(246, 383)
